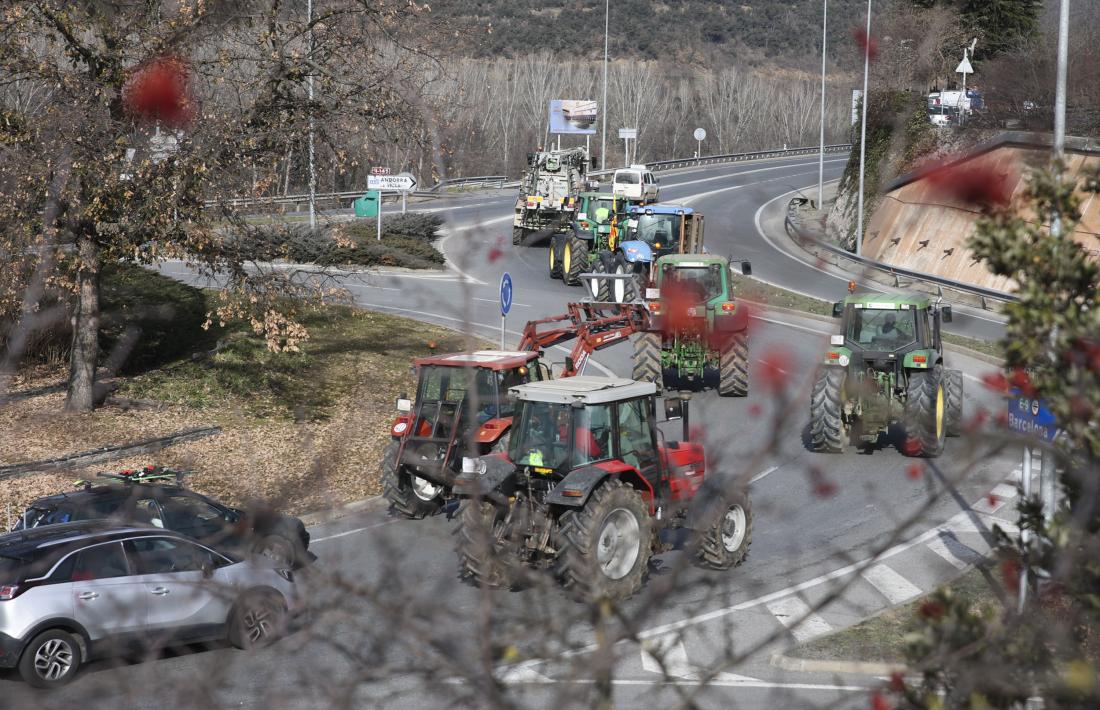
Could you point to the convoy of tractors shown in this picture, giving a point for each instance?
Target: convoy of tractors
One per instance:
(573, 473)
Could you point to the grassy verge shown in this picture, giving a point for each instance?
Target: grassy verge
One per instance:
(753, 290)
(882, 638)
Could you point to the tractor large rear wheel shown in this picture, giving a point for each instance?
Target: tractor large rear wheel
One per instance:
(725, 542)
(925, 413)
(481, 555)
(606, 544)
(407, 499)
(600, 288)
(828, 431)
(557, 246)
(953, 390)
(623, 290)
(575, 261)
(733, 367)
(518, 233)
(647, 358)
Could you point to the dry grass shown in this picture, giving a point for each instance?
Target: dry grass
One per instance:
(303, 430)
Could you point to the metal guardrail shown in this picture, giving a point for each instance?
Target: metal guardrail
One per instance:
(501, 181)
(799, 233)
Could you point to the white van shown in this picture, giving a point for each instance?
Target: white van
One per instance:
(636, 183)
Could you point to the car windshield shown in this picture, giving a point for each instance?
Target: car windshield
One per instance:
(884, 330)
(660, 230)
(699, 283)
(542, 437)
(627, 178)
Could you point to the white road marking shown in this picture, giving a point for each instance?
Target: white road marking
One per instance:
(721, 681)
(762, 474)
(956, 554)
(792, 325)
(351, 532)
(892, 585)
(699, 195)
(524, 673)
(727, 176)
(497, 300)
(795, 614)
(667, 656)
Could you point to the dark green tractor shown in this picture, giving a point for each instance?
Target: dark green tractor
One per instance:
(595, 227)
(886, 368)
(698, 333)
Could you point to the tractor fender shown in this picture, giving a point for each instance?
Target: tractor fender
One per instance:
(733, 322)
(491, 431)
(493, 479)
(637, 251)
(574, 490)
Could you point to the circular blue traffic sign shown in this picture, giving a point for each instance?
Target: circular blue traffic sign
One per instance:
(505, 294)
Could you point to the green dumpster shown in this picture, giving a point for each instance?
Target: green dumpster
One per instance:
(367, 205)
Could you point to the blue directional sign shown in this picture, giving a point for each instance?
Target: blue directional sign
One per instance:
(505, 294)
(1028, 415)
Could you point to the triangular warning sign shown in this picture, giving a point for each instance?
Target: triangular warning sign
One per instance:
(964, 67)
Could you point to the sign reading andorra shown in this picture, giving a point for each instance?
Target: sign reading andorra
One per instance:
(391, 183)
(576, 116)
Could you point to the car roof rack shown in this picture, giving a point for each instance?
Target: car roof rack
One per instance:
(149, 474)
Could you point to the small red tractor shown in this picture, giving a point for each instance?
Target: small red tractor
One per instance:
(585, 488)
(462, 406)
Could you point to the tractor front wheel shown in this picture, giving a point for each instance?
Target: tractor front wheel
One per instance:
(725, 542)
(647, 359)
(481, 555)
(413, 499)
(557, 246)
(925, 413)
(575, 260)
(599, 288)
(606, 544)
(623, 290)
(828, 430)
(733, 367)
(518, 233)
(953, 390)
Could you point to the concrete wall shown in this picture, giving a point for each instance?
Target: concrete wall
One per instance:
(916, 228)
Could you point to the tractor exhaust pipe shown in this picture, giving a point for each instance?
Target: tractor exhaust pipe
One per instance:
(685, 397)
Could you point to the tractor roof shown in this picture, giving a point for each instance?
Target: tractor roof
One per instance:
(600, 196)
(583, 388)
(662, 209)
(689, 260)
(889, 300)
(488, 359)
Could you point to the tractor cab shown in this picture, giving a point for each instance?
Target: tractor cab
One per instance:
(655, 230)
(888, 332)
(598, 217)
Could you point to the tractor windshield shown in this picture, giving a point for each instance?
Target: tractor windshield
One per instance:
(660, 230)
(699, 283)
(882, 330)
(557, 436)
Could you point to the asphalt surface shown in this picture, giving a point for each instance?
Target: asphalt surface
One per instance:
(392, 625)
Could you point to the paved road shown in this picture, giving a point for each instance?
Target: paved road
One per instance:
(393, 625)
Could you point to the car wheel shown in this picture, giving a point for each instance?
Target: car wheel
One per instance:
(277, 549)
(257, 620)
(50, 660)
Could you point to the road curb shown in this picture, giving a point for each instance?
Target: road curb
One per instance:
(342, 511)
(811, 665)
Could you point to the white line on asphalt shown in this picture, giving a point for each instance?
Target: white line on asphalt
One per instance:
(497, 300)
(792, 325)
(763, 473)
(700, 195)
(891, 584)
(795, 614)
(727, 176)
(956, 554)
(351, 532)
(524, 673)
(723, 680)
(668, 656)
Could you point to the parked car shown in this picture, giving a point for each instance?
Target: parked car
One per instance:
(155, 496)
(636, 182)
(74, 591)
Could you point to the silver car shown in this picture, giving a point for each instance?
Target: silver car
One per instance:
(75, 591)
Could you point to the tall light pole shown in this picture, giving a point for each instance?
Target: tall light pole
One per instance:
(1060, 90)
(603, 107)
(309, 85)
(863, 134)
(821, 151)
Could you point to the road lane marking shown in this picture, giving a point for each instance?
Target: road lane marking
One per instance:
(351, 532)
(955, 553)
(815, 331)
(524, 673)
(795, 614)
(891, 584)
(763, 473)
(497, 300)
(727, 176)
(667, 656)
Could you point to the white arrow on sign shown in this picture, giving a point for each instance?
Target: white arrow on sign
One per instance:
(391, 183)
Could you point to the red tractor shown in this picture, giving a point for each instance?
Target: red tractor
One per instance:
(585, 488)
(462, 406)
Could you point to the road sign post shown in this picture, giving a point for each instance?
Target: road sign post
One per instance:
(700, 135)
(389, 183)
(505, 303)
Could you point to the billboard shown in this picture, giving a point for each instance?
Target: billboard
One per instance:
(576, 116)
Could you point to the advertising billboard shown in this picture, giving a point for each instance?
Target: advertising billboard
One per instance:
(575, 116)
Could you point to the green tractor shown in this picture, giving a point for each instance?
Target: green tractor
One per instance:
(597, 223)
(885, 368)
(698, 334)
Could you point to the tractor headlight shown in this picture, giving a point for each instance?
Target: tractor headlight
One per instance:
(843, 361)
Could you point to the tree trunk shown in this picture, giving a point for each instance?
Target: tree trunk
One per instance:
(85, 350)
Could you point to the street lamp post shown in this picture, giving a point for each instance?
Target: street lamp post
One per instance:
(603, 140)
(309, 85)
(821, 150)
(863, 134)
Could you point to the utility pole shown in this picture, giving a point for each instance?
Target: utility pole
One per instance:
(309, 85)
(603, 106)
(821, 150)
(863, 135)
